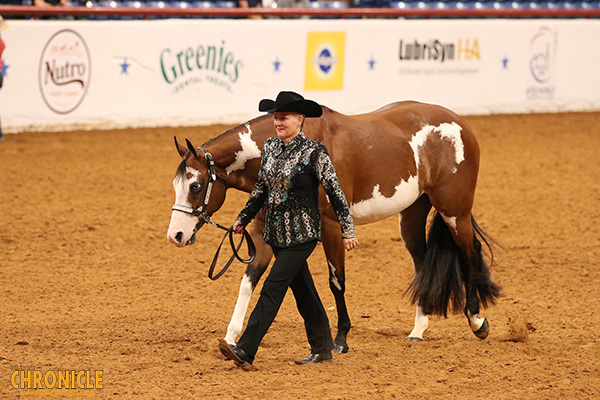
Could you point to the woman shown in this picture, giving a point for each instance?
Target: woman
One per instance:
(291, 170)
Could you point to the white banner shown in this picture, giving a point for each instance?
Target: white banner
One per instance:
(107, 74)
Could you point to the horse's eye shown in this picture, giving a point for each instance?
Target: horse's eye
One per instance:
(195, 187)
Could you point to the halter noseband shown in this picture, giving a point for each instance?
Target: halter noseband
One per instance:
(200, 212)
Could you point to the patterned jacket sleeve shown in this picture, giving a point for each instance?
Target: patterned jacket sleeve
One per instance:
(329, 180)
(258, 196)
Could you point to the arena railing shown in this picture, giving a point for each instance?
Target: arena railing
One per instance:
(174, 12)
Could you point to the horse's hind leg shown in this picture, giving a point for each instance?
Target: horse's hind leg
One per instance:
(479, 287)
(456, 267)
(476, 277)
(253, 273)
(413, 222)
(462, 232)
(334, 252)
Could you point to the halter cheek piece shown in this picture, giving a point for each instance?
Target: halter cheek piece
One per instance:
(203, 217)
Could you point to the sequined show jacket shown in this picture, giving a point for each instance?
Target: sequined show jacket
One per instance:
(288, 183)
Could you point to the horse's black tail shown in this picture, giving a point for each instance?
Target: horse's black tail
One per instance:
(439, 280)
(487, 290)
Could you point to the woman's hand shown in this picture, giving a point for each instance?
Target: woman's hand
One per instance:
(350, 243)
(238, 227)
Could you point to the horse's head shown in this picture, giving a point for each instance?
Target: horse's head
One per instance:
(199, 192)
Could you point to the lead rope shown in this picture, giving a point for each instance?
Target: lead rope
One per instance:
(229, 232)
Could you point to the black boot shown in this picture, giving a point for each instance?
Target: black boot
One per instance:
(315, 358)
(239, 356)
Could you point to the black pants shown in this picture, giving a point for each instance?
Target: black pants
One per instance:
(290, 269)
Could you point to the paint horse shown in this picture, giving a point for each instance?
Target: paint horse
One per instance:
(403, 158)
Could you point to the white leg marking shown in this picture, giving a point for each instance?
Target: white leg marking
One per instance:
(334, 279)
(249, 151)
(241, 306)
(451, 222)
(379, 206)
(421, 324)
(475, 321)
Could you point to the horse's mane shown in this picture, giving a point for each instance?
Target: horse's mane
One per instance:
(325, 108)
(232, 129)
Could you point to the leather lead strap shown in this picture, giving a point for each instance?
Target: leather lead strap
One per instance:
(251, 252)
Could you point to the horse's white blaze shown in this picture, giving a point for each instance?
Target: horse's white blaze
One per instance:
(249, 151)
(241, 306)
(446, 130)
(180, 221)
(421, 324)
(475, 321)
(182, 185)
(334, 279)
(379, 206)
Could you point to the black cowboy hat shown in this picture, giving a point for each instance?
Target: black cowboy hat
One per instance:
(291, 102)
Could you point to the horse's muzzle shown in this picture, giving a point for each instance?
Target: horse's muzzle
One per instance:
(177, 239)
(192, 240)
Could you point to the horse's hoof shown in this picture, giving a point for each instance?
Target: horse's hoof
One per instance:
(415, 339)
(341, 348)
(484, 331)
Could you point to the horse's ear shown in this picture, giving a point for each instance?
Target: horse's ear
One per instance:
(191, 148)
(180, 149)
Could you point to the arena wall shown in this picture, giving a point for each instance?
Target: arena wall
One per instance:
(62, 74)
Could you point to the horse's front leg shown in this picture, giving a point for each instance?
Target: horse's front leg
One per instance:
(334, 252)
(253, 273)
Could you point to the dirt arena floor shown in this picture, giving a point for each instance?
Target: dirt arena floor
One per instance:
(88, 280)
